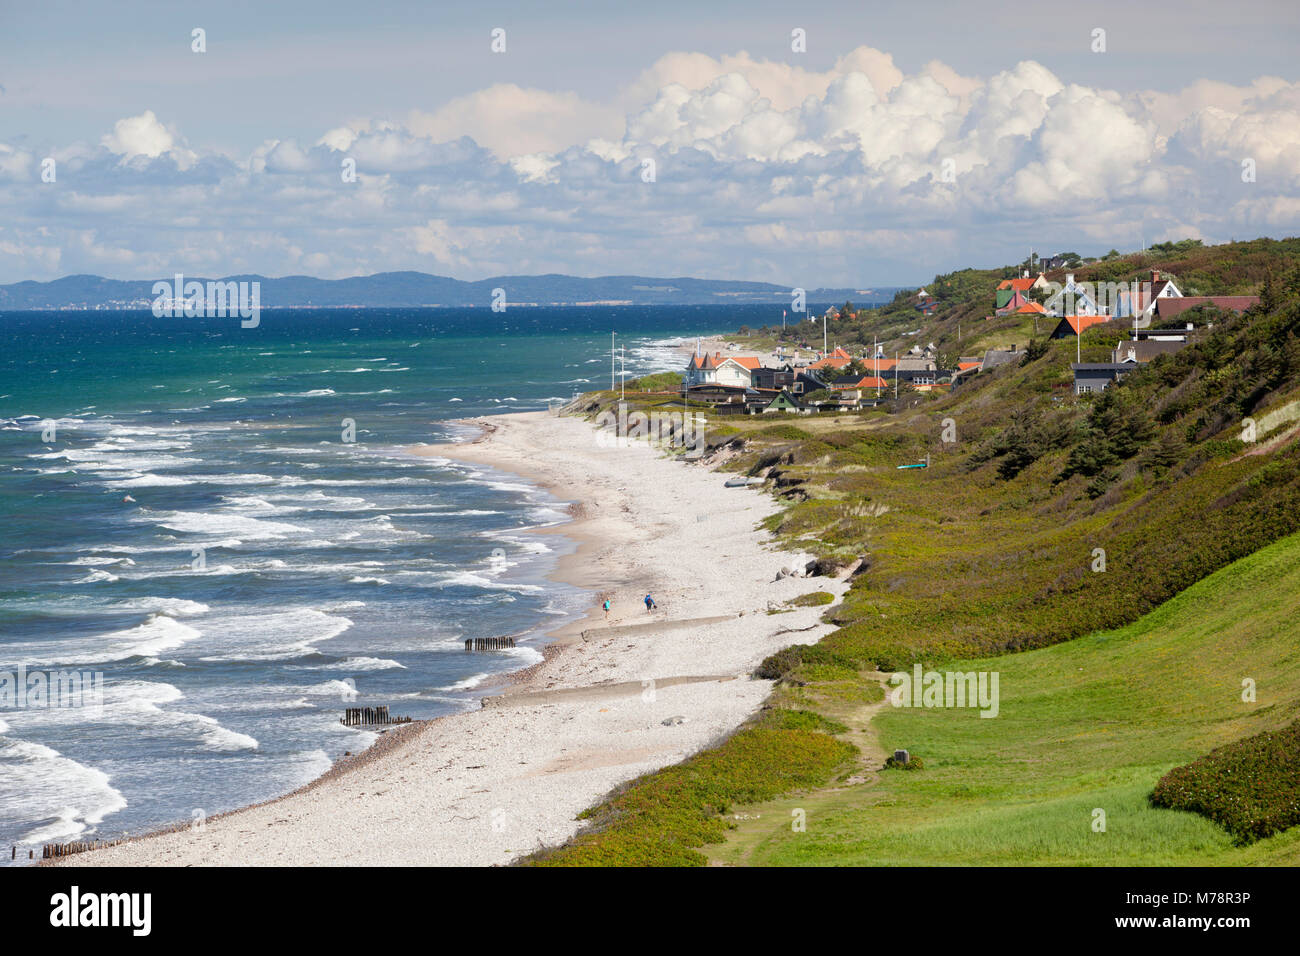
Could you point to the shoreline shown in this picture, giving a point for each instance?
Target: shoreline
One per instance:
(582, 717)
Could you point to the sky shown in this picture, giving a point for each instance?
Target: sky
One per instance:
(808, 144)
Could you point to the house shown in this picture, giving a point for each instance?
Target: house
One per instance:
(835, 360)
(713, 393)
(852, 394)
(917, 367)
(1072, 297)
(1172, 308)
(799, 381)
(1031, 308)
(867, 381)
(1144, 350)
(926, 303)
(1023, 283)
(1097, 376)
(1008, 301)
(784, 402)
(1149, 294)
(700, 370)
(716, 370)
(1072, 325)
(995, 357)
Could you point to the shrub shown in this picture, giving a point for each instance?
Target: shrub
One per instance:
(812, 599)
(1251, 788)
(913, 763)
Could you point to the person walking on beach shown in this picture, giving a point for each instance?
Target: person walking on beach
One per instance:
(650, 604)
(607, 609)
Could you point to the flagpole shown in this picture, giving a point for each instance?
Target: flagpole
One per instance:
(611, 361)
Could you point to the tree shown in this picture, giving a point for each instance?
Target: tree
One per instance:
(1035, 350)
(854, 370)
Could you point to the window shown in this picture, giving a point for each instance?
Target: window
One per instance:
(798, 388)
(1084, 389)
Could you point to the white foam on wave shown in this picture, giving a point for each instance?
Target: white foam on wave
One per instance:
(158, 633)
(138, 704)
(97, 576)
(469, 683)
(471, 580)
(201, 522)
(359, 664)
(172, 607)
(269, 636)
(39, 783)
(98, 560)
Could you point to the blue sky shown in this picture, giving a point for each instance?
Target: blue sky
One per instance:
(909, 138)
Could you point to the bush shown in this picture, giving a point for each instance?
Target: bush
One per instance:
(913, 763)
(783, 433)
(1251, 788)
(812, 599)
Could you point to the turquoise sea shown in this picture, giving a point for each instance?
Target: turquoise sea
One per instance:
(183, 517)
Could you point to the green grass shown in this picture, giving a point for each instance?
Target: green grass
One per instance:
(662, 819)
(1087, 725)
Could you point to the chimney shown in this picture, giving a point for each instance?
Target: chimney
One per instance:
(1069, 278)
(1155, 275)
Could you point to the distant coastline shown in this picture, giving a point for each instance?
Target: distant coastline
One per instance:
(422, 290)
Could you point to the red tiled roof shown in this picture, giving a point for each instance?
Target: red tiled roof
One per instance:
(1029, 308)
(1173, 306)
(965, 365)
(867, 381)
(1081, 322)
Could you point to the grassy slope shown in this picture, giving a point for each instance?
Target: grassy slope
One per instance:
(1089, 724)
(964, 562)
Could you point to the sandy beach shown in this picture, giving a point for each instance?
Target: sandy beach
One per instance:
(612, 700)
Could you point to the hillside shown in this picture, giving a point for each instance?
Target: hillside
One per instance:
(1056, 522)
(961, 323)
(1087, 725)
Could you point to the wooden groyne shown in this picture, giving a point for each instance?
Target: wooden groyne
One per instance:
(52, 851)
(369, 717)
(489, 643)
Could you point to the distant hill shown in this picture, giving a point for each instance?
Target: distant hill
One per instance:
(413, 289)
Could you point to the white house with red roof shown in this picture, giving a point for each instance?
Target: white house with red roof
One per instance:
(732, 371)
(1149, 296)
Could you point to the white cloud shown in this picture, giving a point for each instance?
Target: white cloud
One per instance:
(145, 135)
(764, 170)
(513, 121)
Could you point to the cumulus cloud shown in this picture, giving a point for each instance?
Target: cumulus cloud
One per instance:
(762, 170)
(513, 121)
(145, 135)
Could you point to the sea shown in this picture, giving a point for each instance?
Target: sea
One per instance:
(219, 537)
